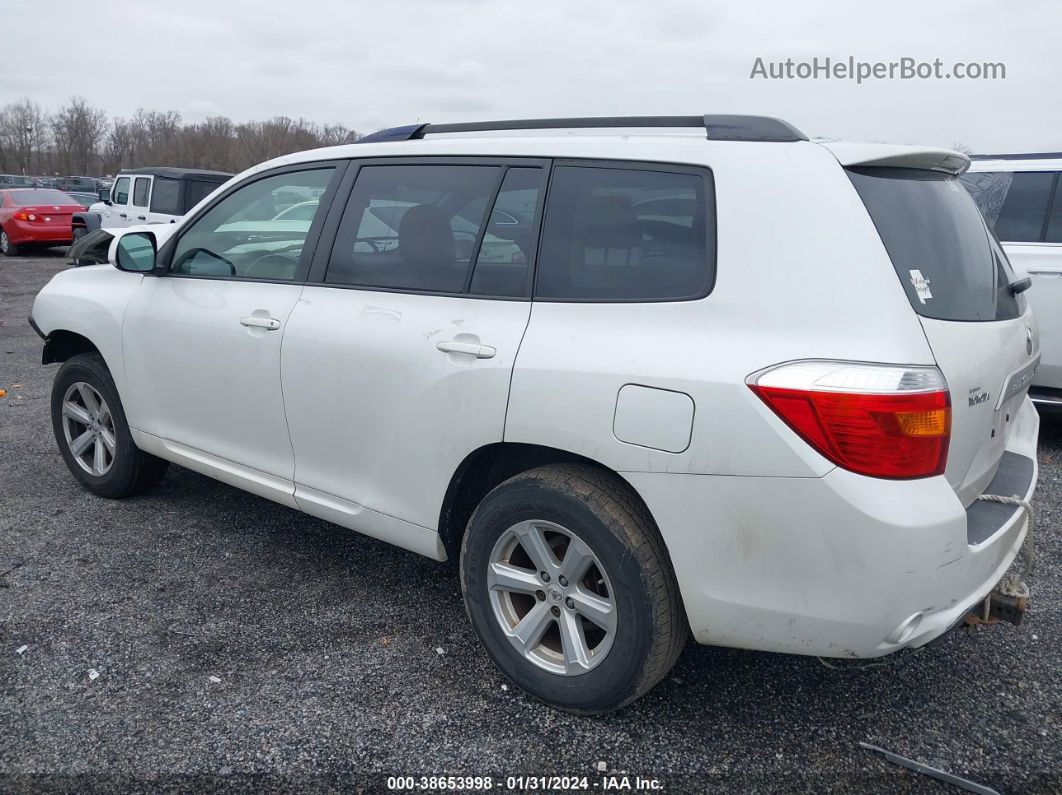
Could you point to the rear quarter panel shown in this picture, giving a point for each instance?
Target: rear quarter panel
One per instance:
(801, 274)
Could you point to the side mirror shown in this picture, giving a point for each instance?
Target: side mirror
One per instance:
(135, 252)
(104, 195)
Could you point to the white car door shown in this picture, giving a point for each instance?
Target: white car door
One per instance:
(140, 200)
(116, 214)
(1042, 263)
(396, 365)
(202, 340)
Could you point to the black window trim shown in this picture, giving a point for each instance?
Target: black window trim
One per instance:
(319, 266)
(1050, 209)
(313, 236)
(711, 247)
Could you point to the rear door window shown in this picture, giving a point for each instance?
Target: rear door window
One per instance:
(141, 189)
(948, 262)
(614, 233)
(1014, 203)
(166, 196)
(412, 227)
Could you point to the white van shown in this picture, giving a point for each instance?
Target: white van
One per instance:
(644, 376)
(1020, 197)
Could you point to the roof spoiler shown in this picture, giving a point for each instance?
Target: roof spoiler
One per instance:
(717, 127)
(898, 156)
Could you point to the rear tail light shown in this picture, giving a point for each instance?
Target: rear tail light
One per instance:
(880, 420)
(26, 216)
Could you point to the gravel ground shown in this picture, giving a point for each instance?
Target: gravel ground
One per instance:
(240, 645)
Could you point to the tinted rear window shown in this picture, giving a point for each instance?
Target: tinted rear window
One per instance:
(29, 198)
(165, 198)
(949, 264)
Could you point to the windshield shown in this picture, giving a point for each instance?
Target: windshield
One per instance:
(950, 265)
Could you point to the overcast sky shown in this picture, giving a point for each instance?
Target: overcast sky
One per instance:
(374, 64)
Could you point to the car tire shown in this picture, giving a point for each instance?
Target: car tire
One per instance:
(7, 247)
(92, 433)
(638, 626)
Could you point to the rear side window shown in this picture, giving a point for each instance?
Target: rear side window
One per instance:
(195, 192)
(948, 262)
(1015, 204)
(412, 227)
(165, 198)
(627, 234)
(141, 187)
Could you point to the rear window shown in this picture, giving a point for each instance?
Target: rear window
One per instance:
(195, 192)
(627, 234)
(28, 198)
(951, 267)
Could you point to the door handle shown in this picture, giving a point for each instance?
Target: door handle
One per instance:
(141, 217)
(268, 323)
(473, 348)
(1043, 273)
(122, 215)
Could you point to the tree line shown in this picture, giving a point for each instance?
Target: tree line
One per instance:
(81, 139)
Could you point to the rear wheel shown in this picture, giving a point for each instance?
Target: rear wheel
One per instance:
(570, 589)
(7, 248)
(92, 432)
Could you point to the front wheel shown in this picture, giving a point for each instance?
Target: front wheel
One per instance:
(570, 589)
(7, 247)
(92, 433)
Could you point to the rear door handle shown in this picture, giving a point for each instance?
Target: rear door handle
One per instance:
(122, 215)
(268, 323)
(142, 217)
(475, 349)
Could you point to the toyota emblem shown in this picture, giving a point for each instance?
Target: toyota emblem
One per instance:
(1028, 340)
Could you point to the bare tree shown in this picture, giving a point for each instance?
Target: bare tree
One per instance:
(23, 135)
(78, 130)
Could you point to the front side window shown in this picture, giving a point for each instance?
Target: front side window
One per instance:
(241, 236)
(627, 234)
(121, 191)
(141, 189)
(412, 227)
(1014, 203)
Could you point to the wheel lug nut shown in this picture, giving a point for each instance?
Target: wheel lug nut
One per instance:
(540, 595)
(544, 575)
(555, 611)
(563, 581)
(569, 603)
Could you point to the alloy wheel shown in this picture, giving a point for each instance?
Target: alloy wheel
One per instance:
(88, 428)
(5, 243)
(551, 597)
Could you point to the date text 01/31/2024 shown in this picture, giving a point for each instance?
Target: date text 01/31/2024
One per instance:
(613, 783)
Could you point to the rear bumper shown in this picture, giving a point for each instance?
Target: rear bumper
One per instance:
(839, 566)
(26, 232)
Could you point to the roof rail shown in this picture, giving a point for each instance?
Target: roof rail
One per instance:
(1020, 156)
(718, 127)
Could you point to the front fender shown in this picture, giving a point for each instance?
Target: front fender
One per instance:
(91, 302)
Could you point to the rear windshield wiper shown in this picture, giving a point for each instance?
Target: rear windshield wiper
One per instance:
(1019, 285)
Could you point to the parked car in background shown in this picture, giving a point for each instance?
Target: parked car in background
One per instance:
(1021, 198)
(17, 181)
(628, 414)
(78, 184)
(86, 200)
(34, 217)
(48, 182)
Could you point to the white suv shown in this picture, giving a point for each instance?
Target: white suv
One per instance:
(1020, 198)
(643, 375)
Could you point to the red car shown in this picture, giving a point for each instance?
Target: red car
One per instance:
(35, 217)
